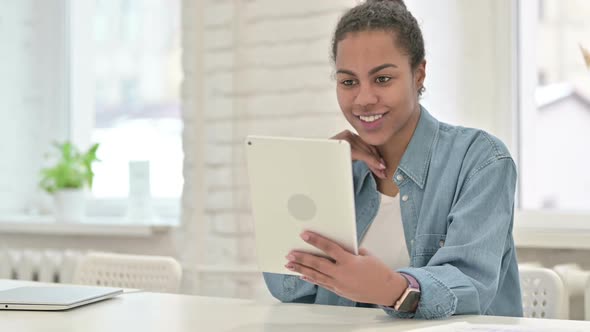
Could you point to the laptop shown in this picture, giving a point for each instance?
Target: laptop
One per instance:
(53, 297)
(299, 184)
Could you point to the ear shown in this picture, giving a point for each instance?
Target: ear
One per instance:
(420, 75)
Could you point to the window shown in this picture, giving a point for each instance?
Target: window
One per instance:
(104, 71)
(554, 124)
(136, 72)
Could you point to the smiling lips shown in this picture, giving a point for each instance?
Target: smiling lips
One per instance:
(371, 122)
(370, 118)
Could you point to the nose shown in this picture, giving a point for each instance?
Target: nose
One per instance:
(366, 96)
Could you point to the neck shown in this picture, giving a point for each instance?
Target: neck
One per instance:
(393, 150)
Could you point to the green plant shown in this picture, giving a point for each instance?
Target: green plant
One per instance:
(73, 169)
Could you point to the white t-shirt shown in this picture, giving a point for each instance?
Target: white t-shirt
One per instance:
(385, 238)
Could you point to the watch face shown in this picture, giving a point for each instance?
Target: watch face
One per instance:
(410, 301)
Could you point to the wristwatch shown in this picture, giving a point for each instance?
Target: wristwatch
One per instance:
(408, 302)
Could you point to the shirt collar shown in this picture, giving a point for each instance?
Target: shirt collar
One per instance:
(416, 158)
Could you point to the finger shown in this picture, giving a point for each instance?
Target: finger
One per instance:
(364, 152)
(371, 149)
(329, 287)
(320, 264)
(372, 161)
(376, 153)
(308, 272)
(329, 247)
(357, 144)
(379, 172)
(364, 252)
(344, 135)
(358, 152)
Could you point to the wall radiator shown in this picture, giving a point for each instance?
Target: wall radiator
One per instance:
(44, 265)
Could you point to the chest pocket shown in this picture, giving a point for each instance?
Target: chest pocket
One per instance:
(425, 246)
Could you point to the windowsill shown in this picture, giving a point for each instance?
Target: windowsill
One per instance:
(551, 230)
(92, 226)
(533, 229)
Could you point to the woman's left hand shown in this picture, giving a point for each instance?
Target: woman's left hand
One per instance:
(363, 278)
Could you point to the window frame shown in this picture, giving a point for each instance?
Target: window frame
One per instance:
(536, 228)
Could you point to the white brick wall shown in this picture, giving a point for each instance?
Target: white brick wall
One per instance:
(190, 239)
(267, 71)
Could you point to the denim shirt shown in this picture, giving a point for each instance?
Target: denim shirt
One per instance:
(457, 189)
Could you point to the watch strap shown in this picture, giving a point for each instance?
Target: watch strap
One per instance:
(403, 301)
(411, 281)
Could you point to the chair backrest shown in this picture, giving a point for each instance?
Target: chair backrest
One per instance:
(543, 293)
(151, 273)
(576, 282)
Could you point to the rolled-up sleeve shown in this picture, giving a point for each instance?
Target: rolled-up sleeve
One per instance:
(462, 277)
(288, 288)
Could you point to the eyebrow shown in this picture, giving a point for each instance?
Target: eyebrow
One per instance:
(371, 72)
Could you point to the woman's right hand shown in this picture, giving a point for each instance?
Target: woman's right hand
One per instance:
(365, 152)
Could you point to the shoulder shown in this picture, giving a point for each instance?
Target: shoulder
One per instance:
(475, 149)
(476, 143)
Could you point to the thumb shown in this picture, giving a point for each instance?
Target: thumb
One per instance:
(364, 252)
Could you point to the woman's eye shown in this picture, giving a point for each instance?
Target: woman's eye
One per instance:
(348, 82)
(382, 79)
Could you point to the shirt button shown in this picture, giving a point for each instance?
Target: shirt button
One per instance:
(399, 177)
(405, 198)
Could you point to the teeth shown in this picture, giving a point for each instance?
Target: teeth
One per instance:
(371, 118)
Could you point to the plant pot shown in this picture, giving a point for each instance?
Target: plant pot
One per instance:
(70, 205)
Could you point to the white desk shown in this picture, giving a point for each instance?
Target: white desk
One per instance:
(169, 312)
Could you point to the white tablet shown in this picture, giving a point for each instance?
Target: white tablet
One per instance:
(299, 184)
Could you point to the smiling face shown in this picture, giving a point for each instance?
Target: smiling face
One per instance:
(376, 87)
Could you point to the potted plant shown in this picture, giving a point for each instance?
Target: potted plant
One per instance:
(67, 180)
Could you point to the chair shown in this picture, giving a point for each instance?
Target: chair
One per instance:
(575, 281)
(543, 293)
(522, 265)
(151, 273)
